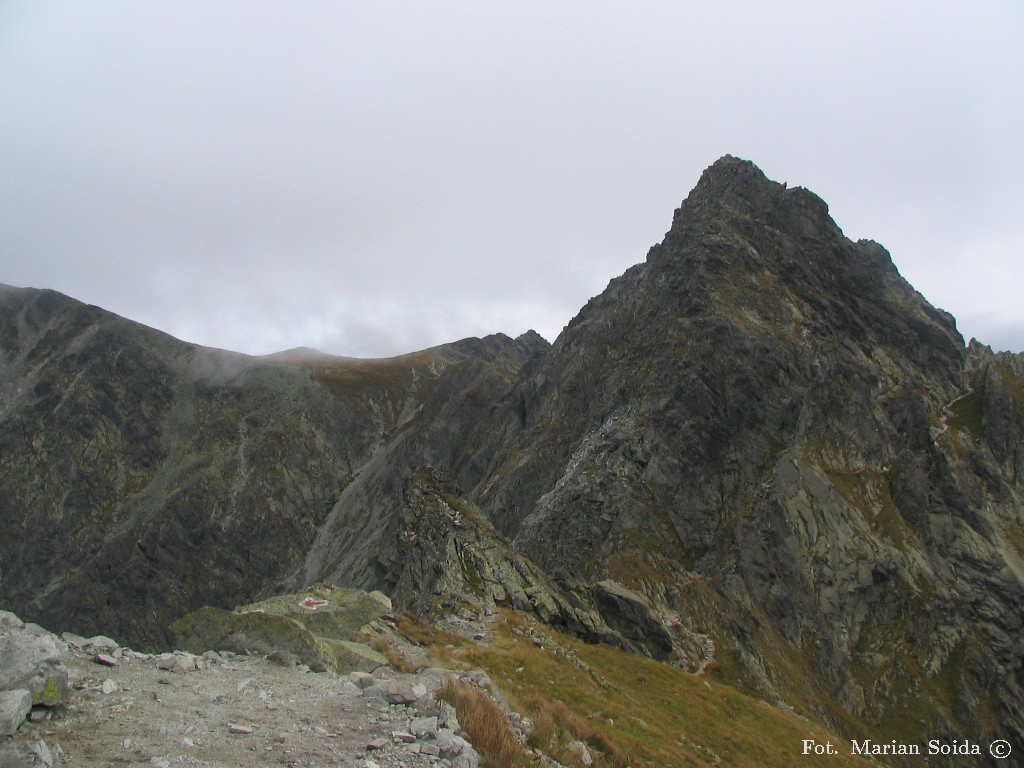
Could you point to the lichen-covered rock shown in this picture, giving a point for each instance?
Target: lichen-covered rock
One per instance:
(326, 610)
(30, 659)
(350, 656)
(314, 627)
(255, 633)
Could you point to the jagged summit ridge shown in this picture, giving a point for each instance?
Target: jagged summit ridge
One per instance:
(732, 188)
(735, 201)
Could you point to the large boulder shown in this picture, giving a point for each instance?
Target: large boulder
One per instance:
(315, 628)
(632, 614)
(30, 660)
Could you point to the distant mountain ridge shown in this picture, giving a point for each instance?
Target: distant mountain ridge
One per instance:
(145, 477)
(760, 454)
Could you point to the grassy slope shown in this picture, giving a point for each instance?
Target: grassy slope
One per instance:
(630, 710)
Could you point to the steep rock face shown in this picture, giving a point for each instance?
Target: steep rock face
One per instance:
(141, 477)
(443, 557)
(762, 428)
(458, 425)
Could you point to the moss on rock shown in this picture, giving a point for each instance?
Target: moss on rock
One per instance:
(315, 626)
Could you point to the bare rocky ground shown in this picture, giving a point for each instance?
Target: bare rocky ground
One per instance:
(237, 711)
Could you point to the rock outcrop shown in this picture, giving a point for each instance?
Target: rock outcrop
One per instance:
(445, 557)
(317, 628)
(32, 672)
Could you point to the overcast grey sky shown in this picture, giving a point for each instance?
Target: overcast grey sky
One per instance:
(371, 178)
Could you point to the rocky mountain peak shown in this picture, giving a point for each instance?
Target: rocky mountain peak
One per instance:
(730, 180)
(731, 173)
(735, 203)
(757, 411)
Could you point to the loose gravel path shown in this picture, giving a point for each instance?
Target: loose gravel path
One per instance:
(239, 711)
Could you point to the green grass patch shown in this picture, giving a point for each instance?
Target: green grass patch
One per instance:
(633, 711)
(968, 412)
(868, 492)
(1014, 387)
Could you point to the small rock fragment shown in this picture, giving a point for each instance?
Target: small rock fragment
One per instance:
(247, 682)
(105, 659)
(401, 693)
(242, 729)
(581, 751)
(424, 727)
(109, 686)
(41, 751)
(361, 679)
(14, 708)
(100, 643)
(451, 745)
(72, 639)
(176, 662)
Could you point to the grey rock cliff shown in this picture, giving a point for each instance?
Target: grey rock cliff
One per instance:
(766, 431)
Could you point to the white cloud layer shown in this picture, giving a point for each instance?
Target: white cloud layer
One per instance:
(372, 178)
